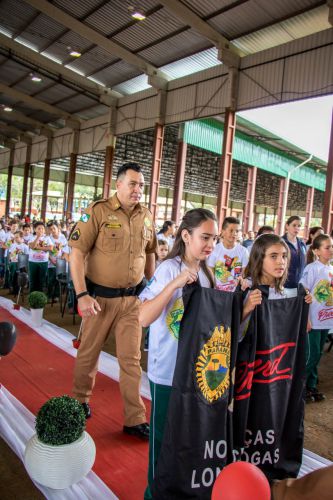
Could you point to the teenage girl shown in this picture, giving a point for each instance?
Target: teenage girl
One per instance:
(268, 265)
(297, 249)
(318, 277)
(162, 308)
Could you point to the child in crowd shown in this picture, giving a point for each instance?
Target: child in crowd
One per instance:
(8, 241)
(161, 251)
(229, 258)
(59, 245)
(27, 236)
(313, 232)
(163, 308)
(318, 277)
(16, 248)
(39, 247)
(297, 250)
(268, 265)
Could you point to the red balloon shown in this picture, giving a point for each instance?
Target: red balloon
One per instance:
(241, 481)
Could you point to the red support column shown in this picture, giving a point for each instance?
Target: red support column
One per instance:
(308, 211)
(327, 222)
(25, 188)
(250, 197)
(283, 196)
(31, 188)
(71, 185)
(45, 185)
(226, 166)
(9, 181)
(64, 208)
(107, 179)
(156, 168)
(179, 179)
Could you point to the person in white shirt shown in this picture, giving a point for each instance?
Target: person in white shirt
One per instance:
(39, 249)
(16, 248)
(162, 308)
(167, 233)
(229, 258)
(8, 241)
(59, 245)
(27, 236)
(318, 277)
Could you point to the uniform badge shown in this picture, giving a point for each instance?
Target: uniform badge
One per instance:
(213, 364)
(147, 222)
(76, 235)
(112, 217)
(85, 217)
(113, 225)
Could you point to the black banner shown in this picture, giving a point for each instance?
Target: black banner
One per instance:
(197, 437)
(269, 388)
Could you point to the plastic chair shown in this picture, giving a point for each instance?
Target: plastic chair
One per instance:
(70, 293)
(61, 269)
(22, 276)
(23, 262)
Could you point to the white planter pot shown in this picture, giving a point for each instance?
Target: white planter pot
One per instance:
(36, 317)
(59, 466)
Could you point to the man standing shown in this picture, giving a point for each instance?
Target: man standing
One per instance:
(113, 248)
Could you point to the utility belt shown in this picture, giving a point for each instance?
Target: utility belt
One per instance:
(112, 293)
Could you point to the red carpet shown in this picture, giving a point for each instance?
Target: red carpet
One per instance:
(37, 370)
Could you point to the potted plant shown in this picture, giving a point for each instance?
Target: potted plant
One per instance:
(37, 301)
(61, 452)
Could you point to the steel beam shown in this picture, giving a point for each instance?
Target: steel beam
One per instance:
(328, 196)
(179, 178)
(156, 168)
(250, 197)
(226, 167)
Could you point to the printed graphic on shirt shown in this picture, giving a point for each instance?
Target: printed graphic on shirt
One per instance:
(323, 291)
(85, 217)
(174, 317)
(227, 272)
(147, 222)
(213, 363)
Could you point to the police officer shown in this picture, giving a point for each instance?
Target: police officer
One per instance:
(113, 248)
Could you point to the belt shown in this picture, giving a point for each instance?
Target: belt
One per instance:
(112, 293)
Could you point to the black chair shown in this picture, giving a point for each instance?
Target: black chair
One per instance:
(69, 293)
(61, 279)
(22, 276)
(330, 341)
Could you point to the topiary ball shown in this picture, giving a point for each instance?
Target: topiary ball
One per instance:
(61, 420)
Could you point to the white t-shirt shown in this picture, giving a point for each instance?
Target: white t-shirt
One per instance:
(164, 331)
(15, 249)
(59, 245)
(9, 240)
(39, 255)
(227, 265)
(28, 238)
(318, 278)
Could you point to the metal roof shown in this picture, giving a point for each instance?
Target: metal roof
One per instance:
(163, 40)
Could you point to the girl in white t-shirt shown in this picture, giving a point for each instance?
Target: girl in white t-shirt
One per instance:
(318, 277)
(162, 308)
(268, 265)
(39, 249)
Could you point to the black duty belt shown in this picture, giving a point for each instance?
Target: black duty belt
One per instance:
(112, 293)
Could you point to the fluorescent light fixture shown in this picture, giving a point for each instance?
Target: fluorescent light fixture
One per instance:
(7, 108)
(138, 15)
(74, 52)
(35, 78)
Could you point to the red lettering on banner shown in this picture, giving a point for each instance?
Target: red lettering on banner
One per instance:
(325, 314)
(261, 370)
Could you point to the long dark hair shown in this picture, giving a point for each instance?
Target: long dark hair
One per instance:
(312, 232)
(166, 225)
(191, 220)
(258, 251)
(316, 244)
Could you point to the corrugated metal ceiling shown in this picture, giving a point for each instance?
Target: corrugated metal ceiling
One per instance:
(162, 39)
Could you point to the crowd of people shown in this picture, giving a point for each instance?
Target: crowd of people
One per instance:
(117, 256)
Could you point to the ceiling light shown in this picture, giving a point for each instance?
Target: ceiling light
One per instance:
(136, 12)
(7, 108)
(35, 78)
(74, 52)
(138, 15)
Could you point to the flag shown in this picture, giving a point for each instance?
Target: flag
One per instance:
(269, 387)
(196, 442)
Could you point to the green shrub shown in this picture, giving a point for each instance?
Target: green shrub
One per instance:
(37, 300)
(61, 420)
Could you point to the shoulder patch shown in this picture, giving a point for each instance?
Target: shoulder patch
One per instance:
(76, 235)
(103, 200)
